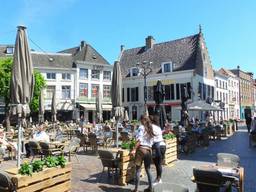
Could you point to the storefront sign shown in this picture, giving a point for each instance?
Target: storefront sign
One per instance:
(164, 82)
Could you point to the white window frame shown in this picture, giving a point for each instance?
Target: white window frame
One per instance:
(131, 71)
(171, 67)
(65, 76)
(51, 74)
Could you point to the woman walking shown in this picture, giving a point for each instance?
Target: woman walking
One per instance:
(142, 151)
(158, 148)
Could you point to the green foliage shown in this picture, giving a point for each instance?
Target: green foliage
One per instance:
(128, 145)
(5, 78)
(51, 161)
(168, 136)
(134, 122)
(26, 169)
(61, 161)
(37, 165)
(39, 85)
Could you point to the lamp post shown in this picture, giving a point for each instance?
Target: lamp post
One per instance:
(146, 70)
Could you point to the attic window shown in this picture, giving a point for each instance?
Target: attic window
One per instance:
(134, 71)
(9, 50)
(167, 67)
(94, 56)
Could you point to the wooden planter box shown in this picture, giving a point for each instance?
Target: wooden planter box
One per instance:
(127, 168)
(171, 151)
(50, 179)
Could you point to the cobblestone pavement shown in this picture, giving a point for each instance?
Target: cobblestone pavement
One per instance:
(87, 174)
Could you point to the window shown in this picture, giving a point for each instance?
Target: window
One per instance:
(95, 89)
(172, 92)
(122, 94)
(51, 76)
(177, 91)
(128, 94)
(216, 83)
(134, 112)
(208, 91)
(49, 91)
(135, 94)
(83, 89)
(150, 90)
(189, 90)
(106, 90)
(212, 92)
(205, 72)
(204, 91)
(95, 74)
(66, 76)
(9, 50)
(167, 67)
(83, 73)
(106, 75)
(66, 92)
(200, 90)
(134, 71)
(167, 90)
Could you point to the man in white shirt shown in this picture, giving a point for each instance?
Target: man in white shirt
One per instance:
(41, 135)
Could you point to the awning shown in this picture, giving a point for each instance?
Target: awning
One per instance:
(107, 107)
(88, 106)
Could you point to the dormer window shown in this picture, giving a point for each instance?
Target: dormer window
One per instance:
(167, 67)
(134, 71)
(9, 50)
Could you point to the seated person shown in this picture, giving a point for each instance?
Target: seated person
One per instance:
(41, 135)
(5, 144)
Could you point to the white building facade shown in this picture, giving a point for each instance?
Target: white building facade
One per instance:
(221, 96)
(175, 65)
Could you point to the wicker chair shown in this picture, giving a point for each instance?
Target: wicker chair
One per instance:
(72, 148)
(35, 149)
(108, 160)
(210, 180)
(47, 150)
(6, 184)
(169, 187)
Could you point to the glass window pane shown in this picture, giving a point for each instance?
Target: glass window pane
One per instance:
(83, 89)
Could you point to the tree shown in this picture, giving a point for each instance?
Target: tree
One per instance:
(40, 83)
(5, 78)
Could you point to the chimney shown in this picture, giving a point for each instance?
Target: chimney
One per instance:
(122, 48)
(150, 41)
(82, 44)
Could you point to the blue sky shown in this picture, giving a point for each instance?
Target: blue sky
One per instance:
(228, 25)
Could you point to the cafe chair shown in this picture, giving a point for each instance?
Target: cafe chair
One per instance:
(6, 184)
(228, 160)
(108, 160)
(72, 148)
(211, 180)
(35, 149)
(48, 150)
(169, 187)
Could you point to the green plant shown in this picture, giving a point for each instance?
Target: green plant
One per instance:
(128, 145)
(168, 136)
(61, 161)
(26, 169)
(37, 166)
(51, 161)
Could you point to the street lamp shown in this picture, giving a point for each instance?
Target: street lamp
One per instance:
(146, 70)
